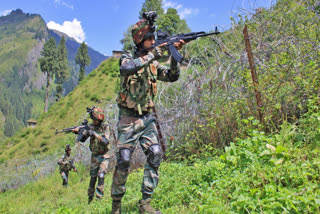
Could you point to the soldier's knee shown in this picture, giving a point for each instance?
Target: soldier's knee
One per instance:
(154, 155)
(101, 175)
(124, 158)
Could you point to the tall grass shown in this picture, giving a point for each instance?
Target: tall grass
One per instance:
(260, 174)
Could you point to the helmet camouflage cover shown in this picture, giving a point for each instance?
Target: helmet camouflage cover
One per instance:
(97, 114)
(140, 30)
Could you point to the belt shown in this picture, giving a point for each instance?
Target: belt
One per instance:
(132, 113)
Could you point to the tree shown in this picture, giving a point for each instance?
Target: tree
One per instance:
(152, 5)
(61, 74)
(127, 40)
(48, 65)
(82, 59)
(171, 23)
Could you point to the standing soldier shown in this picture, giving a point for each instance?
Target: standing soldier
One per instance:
(138, 87)
(66, 164)
(99, 142)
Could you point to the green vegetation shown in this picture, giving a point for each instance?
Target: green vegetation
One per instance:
(260, 174)
(215, 95)
(63, 114)
(22, 37)
(82, 59)
(19, 34)
(63, 69)
(222, 159)
(48, 65)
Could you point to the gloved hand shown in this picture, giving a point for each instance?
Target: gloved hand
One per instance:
(157, 53)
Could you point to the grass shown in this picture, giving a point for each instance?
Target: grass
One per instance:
(276, 173)
(68, 112)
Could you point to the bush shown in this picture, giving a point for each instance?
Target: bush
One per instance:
(94, 97)
(43, 143)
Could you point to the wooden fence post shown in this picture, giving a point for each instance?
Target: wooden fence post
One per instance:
(253, 73)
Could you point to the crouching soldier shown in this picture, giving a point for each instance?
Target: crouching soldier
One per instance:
(99, 142)
(66, 164)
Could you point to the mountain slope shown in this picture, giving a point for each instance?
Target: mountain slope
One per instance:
(96, 89)
(72, 48)
(252, 176)
(22, 37)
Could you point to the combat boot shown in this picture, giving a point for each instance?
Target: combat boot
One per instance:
(145, 207)
(116, 207)
(90, 199)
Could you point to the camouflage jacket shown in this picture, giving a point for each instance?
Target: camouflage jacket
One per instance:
(138, 80)
(99, 144)
(66, 163)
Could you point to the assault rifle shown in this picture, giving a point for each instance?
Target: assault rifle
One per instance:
(163, 37)
(82, 133)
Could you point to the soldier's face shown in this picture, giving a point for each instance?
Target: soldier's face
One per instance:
(148, 43)
(96, 122)
(69, 152)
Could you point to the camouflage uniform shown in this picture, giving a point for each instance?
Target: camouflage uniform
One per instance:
(99, 160)
(65, 165)
(136, 123)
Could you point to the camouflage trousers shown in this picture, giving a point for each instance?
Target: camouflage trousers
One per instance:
(99, 166)
(131, 131)
(64, 175)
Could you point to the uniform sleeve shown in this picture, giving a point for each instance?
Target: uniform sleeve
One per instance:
(60, 161)
(130, 66)
(106, 135)
(168, 74)
(103, 137)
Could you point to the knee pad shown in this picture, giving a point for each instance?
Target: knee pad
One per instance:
(65, 180)
(101, 174)
(154, 155)
(124, 158)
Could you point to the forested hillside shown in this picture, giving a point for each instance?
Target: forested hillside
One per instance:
(243, 133)
(72, 47)
(22, 37)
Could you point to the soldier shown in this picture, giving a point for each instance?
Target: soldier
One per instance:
(99, 142)
(138, 87)
(66, 164)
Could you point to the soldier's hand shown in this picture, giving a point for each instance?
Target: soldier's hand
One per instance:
(75, 170)
(179, 44)
(76, 130)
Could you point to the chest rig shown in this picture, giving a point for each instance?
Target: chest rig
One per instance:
(138, 91)
(95, 146)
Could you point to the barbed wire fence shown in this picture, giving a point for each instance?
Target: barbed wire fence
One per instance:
(215, 89)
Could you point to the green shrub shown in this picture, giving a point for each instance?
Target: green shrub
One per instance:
(43, 143)
(94, 97)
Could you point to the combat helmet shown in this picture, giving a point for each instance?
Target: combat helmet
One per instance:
(144, 28)
(96, 113)
(68, 148)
